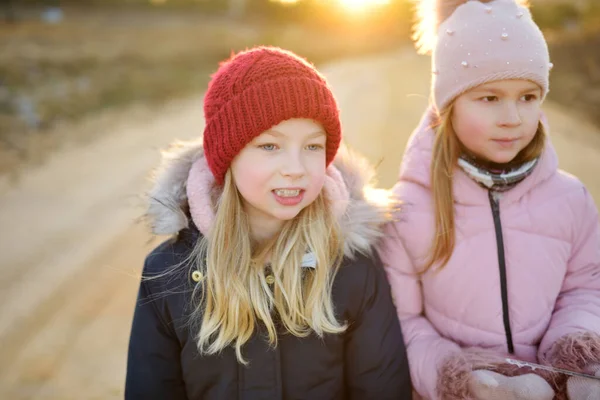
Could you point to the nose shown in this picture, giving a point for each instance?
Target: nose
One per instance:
(511, 115)
(293, 166)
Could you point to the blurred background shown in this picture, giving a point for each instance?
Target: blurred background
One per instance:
(63, 60)
(90, 90)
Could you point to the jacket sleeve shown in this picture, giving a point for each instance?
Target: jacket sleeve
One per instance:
(575, 322)
(426, 348)
(375, 357)
(153, 362)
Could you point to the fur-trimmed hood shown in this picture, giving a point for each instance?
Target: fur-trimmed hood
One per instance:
(367, 210)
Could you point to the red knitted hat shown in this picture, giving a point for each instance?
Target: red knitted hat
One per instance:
(257, 89)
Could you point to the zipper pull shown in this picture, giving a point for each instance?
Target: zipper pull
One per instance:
(496, 196)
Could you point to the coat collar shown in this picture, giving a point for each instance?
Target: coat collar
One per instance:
(361, 209)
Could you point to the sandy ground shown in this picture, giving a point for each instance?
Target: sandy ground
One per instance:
(72, 246)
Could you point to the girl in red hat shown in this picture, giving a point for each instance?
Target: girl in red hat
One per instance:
(269, 288)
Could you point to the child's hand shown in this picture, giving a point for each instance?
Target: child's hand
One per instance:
(582, 388)
(488, 385)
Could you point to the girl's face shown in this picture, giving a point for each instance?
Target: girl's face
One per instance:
(496, 120)
(280, 172)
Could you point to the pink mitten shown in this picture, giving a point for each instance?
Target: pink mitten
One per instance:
(583, 388)
(489, 385)
(475, 373)
(574, 352)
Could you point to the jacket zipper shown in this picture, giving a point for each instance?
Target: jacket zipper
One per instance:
(502, 265)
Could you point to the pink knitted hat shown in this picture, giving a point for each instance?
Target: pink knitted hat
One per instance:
(485, 41)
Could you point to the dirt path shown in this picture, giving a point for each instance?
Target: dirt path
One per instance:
(72, 250)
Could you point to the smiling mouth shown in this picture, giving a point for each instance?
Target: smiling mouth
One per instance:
(287, 192)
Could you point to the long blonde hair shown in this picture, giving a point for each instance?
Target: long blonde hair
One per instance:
(234, 296)
(445, 154)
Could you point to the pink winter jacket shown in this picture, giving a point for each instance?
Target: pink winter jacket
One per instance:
(551, 234)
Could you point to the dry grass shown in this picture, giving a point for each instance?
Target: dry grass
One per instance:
(575, 80)
(99, 60)
(574, 39)
(94, 61)
(573, 32)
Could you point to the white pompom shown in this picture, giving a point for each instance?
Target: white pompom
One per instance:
(431, 13)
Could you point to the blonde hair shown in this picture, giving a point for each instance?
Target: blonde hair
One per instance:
(446, 151)
(234, 296)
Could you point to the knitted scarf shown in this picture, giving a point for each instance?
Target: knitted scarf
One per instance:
(496, 179)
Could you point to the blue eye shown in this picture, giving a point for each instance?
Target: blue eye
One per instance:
(314, 147)
(267, 147)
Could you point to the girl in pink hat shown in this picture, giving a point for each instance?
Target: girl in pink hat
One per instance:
(496, 253)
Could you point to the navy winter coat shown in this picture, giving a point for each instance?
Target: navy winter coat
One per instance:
(368, 361)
